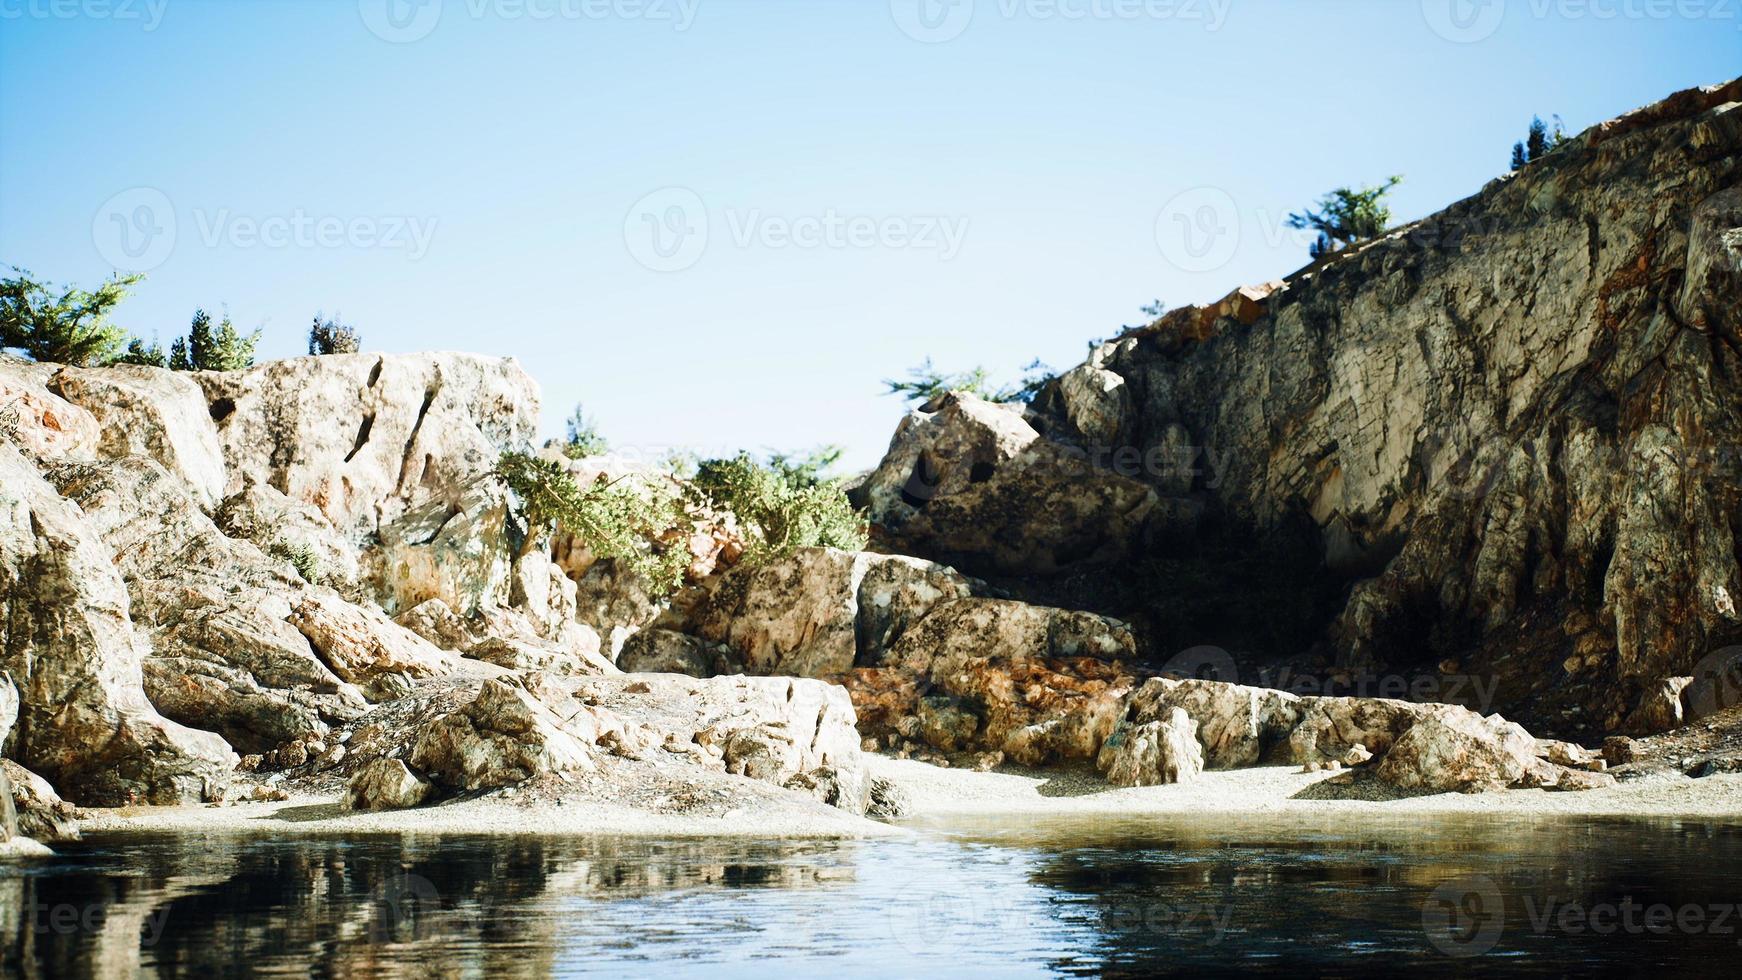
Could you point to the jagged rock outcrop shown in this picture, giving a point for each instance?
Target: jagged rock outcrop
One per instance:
(820, 611)
(970, 482)
(70, 647)
(1153, 753)
(158, 414)
(1505, 427)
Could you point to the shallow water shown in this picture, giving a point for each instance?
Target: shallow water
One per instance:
(1080, 896)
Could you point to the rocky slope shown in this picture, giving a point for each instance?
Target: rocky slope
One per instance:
(1496, 446)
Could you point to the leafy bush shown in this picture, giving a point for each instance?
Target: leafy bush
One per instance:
(783, 506)
(329, 336)
(1345, 216)
(302, 558)
(927, 382)
(71, 327)
(583, 438)
(614, 521)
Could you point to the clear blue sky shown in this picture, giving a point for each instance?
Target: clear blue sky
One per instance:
(525, 147)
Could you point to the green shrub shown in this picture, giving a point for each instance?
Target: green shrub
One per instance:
(301, 557)
(613, 521)
(926, 382)
(782, 506)
(69, 327)
(139, 352)
(583, 438)
(329, 336)
(1346, 216)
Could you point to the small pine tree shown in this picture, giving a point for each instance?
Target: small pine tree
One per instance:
(1519, 157)
(927, 382)
(1536, 143)
(329, 336)
(206, 349)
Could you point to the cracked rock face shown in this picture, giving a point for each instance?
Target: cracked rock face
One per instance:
(364, 437)
(71, 648)
(1512, 426)
(972, 483)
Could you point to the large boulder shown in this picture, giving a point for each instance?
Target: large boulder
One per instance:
(820, 611)
(972, 483)
(461, 552)
(146, 411)
(1041, 685)
(1459, 750)
(1153, 753)
(69, 644)
(385, 784)
(38, 421)
(502, 737)
(1238, 725)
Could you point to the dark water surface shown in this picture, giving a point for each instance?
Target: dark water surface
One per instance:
(1005, 898)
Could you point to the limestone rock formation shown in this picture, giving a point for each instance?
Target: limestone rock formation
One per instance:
(385, 784)
(366, 437)
(503, 736)
(1153, 753)
(820, 611)
(70, 647)
(970, 482)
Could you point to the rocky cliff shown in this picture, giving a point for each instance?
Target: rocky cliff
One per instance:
(1497, 444)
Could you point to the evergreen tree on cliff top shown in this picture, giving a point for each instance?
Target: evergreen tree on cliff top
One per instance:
(205, 349)
(1345, 216)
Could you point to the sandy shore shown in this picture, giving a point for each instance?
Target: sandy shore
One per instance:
(943, 793)
(772, 813)
(939, 797)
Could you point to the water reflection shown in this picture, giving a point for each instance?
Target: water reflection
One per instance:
(996, 897)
